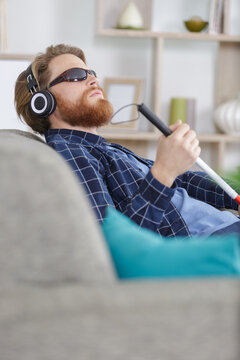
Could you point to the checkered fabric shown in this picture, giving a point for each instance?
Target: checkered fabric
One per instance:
(114, 176)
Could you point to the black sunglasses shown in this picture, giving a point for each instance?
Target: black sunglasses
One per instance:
(74, 74)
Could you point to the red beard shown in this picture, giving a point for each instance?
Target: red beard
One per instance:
(84, 114)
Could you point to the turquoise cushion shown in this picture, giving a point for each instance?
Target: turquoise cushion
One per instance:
(140, 253)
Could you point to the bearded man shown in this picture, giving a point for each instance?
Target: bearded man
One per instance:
(60, 97)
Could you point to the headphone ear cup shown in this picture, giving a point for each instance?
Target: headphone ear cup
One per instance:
(42, 103)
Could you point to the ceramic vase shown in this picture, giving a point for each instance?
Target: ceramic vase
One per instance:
(227, 117)
(130, 17)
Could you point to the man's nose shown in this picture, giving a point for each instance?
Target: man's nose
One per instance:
(92, 80)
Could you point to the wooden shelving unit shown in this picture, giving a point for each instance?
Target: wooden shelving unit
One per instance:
(227, 82)
(219, 144)
(138, 141)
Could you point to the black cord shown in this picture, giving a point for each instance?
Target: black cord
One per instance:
(124, 121)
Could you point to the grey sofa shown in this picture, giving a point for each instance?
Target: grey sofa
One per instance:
(60, 298)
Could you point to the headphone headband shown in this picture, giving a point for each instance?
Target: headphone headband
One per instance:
(31, 81)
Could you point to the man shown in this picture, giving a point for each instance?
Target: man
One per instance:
(162, 195)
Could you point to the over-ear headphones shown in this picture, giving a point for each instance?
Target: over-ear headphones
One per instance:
(42, 103)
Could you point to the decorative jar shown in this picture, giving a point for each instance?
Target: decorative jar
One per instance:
(227, 117)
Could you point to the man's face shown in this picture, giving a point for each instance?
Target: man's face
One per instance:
(79, 103)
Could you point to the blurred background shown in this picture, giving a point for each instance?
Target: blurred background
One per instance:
(187, 67)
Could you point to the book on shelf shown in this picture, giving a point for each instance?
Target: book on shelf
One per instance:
(218, 16)
(183, 109)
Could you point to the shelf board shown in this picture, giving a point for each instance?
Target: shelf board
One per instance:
(218, 138)
(148, 136)
(13, 56)
(202, 36)
(168, 35)
(141, 136)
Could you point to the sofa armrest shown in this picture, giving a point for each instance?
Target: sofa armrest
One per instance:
(130, 320)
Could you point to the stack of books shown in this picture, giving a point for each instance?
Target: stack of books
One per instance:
(218, 16)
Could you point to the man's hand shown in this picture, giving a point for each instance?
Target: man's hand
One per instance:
(175, 153)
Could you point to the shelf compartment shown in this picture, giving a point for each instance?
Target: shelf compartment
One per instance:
(109, 12)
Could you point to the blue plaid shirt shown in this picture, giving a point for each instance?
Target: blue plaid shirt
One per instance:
(114, 176)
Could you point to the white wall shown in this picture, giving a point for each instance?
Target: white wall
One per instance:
(9, 71)
(34, 24)
(74, 22)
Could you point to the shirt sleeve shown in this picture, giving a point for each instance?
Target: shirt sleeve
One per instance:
(149, 204)
(146, 206)
(201, 187)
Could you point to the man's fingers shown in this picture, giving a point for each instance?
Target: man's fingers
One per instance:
(173, 127)
(195, 143)
(190, 135)
(182, 130)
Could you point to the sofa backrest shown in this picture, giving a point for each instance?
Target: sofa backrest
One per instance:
(48, 230)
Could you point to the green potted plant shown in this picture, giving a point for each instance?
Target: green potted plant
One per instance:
(233, 178)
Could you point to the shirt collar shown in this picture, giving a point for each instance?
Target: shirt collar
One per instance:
(67, 134)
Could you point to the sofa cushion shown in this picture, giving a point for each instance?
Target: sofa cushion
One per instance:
(48, 230)
(140, 253)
